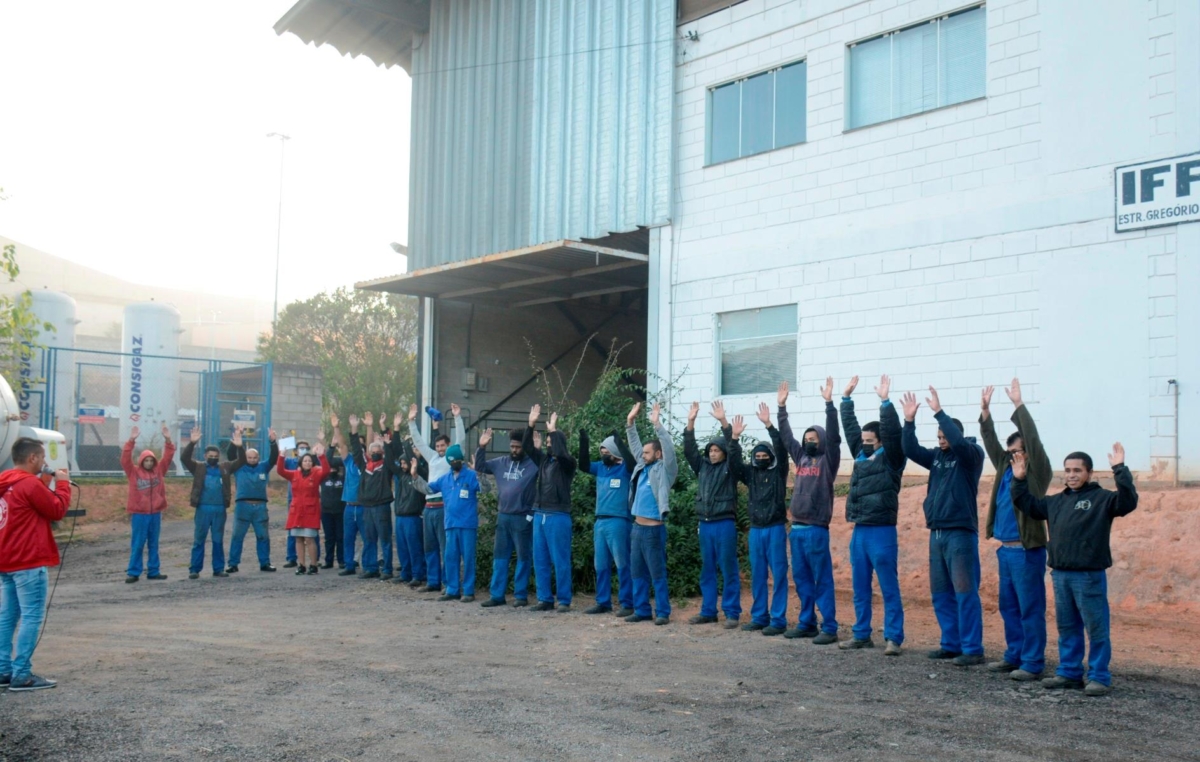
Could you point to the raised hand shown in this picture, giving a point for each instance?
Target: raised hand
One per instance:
(1116, 458)
(1014, 392)
(781, 394)
(693, 412)
(412, 412)
(909, 401)
(537, 439)
(333, 420)
(166, 432)
(718, 411)
(884, 388)
(369, 420)
(738, 425)
(195, 437)
(535, 413)
(320, 435)
(932, 400)
(552, 425)
(764, 414)
(1018, 464)
(827, 390)
(318, 450)
(656, 413)
(135, 432)
(455, 410)
(850, 387)
(383, 421)
(633, 413)
(485, 438)
(387, 437)
(985, 401)
(236, 439)
(353, 423)
(412, 468)
(272, 436)
(397, 419)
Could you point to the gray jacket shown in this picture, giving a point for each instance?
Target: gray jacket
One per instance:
(661, 479)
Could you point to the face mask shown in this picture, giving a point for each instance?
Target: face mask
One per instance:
(761, 463)
(302, 452)
(212, 460)
(608, 460)
(456, 465)
(810, 449)
(376, 457)
(868, 450)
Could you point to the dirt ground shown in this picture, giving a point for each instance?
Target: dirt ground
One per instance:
(278, 667)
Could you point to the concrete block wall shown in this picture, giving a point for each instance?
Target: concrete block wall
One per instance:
(296, 400)
(958, 247)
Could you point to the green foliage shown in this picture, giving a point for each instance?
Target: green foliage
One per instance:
(363, 342)
(19, 327)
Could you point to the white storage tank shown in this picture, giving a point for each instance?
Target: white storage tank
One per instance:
(149, 384)
(58, 310)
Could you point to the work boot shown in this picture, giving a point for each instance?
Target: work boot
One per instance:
(771, 632)
(290, 565)
(220, 574)
(563, 608)
(417, 584)
(893, 649)
(193, 575)
(130, 579)
(730, 624)
(449, 597)
(660, 621)
(941, 653)
(598, 609)
(428, 588)
(231, 569)
(1058, 683)
(369, 575)
(520, 603)
(327, 565)
(796, 632)
(623, 612)
(854, 644)
(385, 577)
(968, 660)
(543, 606)
(156, 577)
(825, 638)
(1094, 688)
(1023, 676)
(701, 619)
(342, 573)
(1001, 666)
(639, 618)
(266, 568)
(467, 599)
(492, 603)
(398, 581)
(753, 627)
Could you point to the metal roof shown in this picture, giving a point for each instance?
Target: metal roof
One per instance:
(382, 30)
(550, 272)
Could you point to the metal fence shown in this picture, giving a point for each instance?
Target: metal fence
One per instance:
(95, 398)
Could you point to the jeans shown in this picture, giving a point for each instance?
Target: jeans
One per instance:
(209, 518)
(768, 552)
(648, 564)
(352, 524)
(246, 515)
(552, 552)
(1081, 602)
(460, 549)
(410, 548)
(514, 531)
(1023, 606)
(812, 571)
(954, 583)
(874, 549)
(22, 597)
(433, 520)
(718, 549)
(377, 539)
(144, 531)
(333, 527)
(611, 546)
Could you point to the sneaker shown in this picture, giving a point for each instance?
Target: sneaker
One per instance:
(467, 599)
(771, 632)
(543, 606)
(701, 619)
(417, 584)
(341, 566)
(130, 579)
(492, 603)
(449, 597)
(327, 565)
(753, 627)
(968, 660)
(623, 612)
(266, 568)
(1001, 666)
(1024, 676)
(313, 569)
(369, 575)
(301, 570)
(660, 621)
(796, 632)
(343, 572)
(32, 683)
(231, 569)
(730, 624)
(193, 575)
(520, 603)
(220, 574)
(385, 577)
(893, 649)
(598, 609)
(855, 643)
(156, 577)
(639, 618)
(825, 638)
(1094, 688)
(941, 653)
(1058, 683)
(5, 680)
(290, 565)
(563, 608)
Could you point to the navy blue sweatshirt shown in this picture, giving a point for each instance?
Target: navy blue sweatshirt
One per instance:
(951, 500)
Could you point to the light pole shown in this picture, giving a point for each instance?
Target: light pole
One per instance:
(283, 139)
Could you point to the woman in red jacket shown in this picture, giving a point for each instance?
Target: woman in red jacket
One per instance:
(146, 502)
(304, 515)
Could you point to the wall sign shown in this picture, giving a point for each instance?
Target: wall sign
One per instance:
(1156, 193)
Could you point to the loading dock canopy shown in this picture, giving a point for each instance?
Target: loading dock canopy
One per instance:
(382, 30)
(558, 271)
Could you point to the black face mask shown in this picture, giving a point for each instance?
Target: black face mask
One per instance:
(810, 449)
(456, 465)
(762, 462)
(607, 460)
(868, 450)
(212, 460)
(376, 457)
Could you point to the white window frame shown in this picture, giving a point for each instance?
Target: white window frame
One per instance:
(892, 33)
(716, 322)
(708, 111)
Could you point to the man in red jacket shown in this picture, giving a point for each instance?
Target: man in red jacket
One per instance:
(146, 503)
(27, 550)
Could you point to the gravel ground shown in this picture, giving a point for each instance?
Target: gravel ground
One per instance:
(276, 667)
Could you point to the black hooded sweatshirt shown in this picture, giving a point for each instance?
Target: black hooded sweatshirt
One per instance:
(716, 491)
(555, 472)
(768, 486)
(332, 485)
(410, 501)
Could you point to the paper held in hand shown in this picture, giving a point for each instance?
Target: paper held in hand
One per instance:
(287, 443)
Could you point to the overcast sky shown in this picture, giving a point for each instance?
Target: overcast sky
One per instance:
(133, 140)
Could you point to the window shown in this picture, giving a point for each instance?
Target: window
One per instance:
(934, 64)
(757, 349)
(757, 114)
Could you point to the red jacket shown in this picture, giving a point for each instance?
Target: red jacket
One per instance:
(27, 507)
(147, 492)
(305, 512)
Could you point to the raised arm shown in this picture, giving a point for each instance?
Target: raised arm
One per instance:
(781, 450)
(785, 426)
(127, 456)
(1023, 500)
(282, 469)
(164, 463)
(850, 421)
(627, 457)
(481, 464)
(1127, 496)
(1035, 451)
(911, 448)
(427, 452)
(559, 448)
(631, 433)
(833, 437)
(737, 466)
(670, 464)
(185, 457)
(889, 434)
(585, 455)
(987, 430)
(274, 456)
(460, 431)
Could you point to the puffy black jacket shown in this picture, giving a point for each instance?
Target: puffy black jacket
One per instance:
(716, 490)
(555, 472)
(410, 501)
(874, 497)
(375, 485)
(768, 486)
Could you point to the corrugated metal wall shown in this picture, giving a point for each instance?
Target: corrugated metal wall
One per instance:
(538, 120)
